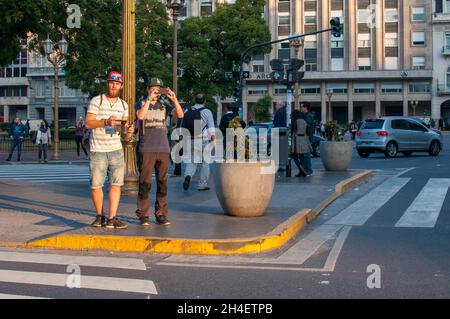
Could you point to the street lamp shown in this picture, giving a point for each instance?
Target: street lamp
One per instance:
(175, 6)
(414, 104)
(329, 95)
(56, 55)
(296, 44)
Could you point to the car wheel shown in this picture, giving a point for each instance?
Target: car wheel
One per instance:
(435, 148)
(391, 150)
(316, 150)
(363, 154)
(407, 154)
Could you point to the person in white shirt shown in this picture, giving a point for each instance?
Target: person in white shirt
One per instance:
(107, 116)
(208, 135)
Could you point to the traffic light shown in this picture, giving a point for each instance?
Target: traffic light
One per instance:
(237, 93)
(277, 65)
(336, 27)
(295, 64)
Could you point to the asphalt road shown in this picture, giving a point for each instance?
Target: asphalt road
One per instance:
(387, 238)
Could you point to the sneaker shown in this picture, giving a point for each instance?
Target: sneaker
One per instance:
(100, 221)
(162, 220)
(187, 181)
(115, 223)
(145, 221)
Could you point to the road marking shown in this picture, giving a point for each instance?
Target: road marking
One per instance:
(6, 296)
(360, 211)
(87, 282)
(89, 261)
(307, 247)
(330, 264)
(426, 207)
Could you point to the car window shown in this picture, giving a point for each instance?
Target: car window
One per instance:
(372, 125)
(400, 125)
(413, 125)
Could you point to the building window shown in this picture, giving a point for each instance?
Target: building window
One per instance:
(391, 63)
(337, 64)
(418, 63)
(364, 64)
(39, 88)
(364, 40)
(391, 40)
(310, 90)
(280, 90)
(419, 87)
(364, 88)
(418, 14)
(284, 52)
(258, 66)
(257, 90)
(206, 7)
(387, 88)
(390, 15)
(338, 88)
(418, 38)
(448, 78)
(310, 17)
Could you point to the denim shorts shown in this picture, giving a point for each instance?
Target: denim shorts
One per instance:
(101, 163)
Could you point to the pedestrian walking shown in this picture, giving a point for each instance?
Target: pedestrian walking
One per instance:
(279, 119)
(43, 140)
(353, 130)
(207, 134)
(301, 144)
(17, 133)
(305, 109)
(154, 149)
(80, 131)
(107, 117)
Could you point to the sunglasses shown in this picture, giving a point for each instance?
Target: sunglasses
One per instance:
(116, 77)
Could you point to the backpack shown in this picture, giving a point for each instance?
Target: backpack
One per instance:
(189, 119)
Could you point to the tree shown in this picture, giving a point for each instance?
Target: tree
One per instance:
(261, 109)
(96, 47)
(17, 18)
(212, 45)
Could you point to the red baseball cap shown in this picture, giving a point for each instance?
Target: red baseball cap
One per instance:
(115, 76)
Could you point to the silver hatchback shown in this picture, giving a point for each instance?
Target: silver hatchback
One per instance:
(391, 135)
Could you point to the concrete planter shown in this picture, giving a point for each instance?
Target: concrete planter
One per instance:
(242, 189)
(336, 156)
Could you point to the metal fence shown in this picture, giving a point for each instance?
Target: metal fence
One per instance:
(28, 145)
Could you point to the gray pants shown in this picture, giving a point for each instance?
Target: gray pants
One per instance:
(43, 149)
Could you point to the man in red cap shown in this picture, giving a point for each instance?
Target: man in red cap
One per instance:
(107, 117)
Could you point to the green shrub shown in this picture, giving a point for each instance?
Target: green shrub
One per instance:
(5, 126)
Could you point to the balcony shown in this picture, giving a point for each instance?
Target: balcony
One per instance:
(446, 50)
(443, 90)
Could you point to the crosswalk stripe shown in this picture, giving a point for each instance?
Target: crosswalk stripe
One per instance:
(7, 296)
(86, 282)
(426, 207)
(92, 261)
(360, 211)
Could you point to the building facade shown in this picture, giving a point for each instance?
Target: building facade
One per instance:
(441, 57)
(381, 65)
(27, 91)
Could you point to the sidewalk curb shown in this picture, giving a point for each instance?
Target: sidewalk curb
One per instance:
(275, 239)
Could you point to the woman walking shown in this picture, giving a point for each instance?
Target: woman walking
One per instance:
(301, 144)
(80, 131)
(43, 140)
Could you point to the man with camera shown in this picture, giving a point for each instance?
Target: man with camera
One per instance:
(107, 116)
(154, 148)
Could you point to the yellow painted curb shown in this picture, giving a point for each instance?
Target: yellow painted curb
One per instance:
(275, 239)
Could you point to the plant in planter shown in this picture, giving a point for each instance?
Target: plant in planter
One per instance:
(335, 153)
(243, 184)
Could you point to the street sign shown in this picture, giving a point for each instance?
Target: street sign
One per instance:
(228, 75)
(236, 75)
(277, 76)
(246, 75)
